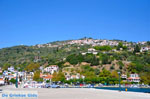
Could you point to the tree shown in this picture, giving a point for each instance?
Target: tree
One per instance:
(112, 67)
(74, 59)
(148, 43)
(60, 64)
(132, 68)
(137, 48)
(114, 74)
(105, 73)
(103, 48)
(13, 80)
(95, 61)
(86, 68)
(58, 77)
(125, 47)
(88, 58)
(105, 59)
(97, 71)
(110, 82)
(47, 81)
(145, 78)
(6, 65)
(36, 76)
(32, 67)
(120, 45)
(54, 78)
(121, 65)
(103, 82)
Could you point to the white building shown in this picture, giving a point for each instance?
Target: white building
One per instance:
(2, 82)
(134, 78)
(11, 69)
(51, 69)
(124, 76)
(77, 76)
(144, 49)
(91, 50)
(83, 53)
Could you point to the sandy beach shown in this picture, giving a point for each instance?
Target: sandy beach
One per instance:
(81, 93)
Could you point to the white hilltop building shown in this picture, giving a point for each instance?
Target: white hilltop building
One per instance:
(144, 49)
(90, 50)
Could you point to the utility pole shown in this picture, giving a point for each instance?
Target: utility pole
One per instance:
(17, 80)
(119, 81)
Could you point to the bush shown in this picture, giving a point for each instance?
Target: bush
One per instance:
(47, 81)
(112, 67)
(13, 80)
(105, 59)
(103, 48)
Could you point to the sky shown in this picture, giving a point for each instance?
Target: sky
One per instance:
(31, 22)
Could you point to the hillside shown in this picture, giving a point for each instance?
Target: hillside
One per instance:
(127, 57)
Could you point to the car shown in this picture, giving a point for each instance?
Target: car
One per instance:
(47, 86)
(0, 90)
(55, 86)
(91, 86)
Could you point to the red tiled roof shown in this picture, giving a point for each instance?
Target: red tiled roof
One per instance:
(73, 76)
(1, 79)
(137, 78)
(130, 78)
(48, 77)
(42, 75)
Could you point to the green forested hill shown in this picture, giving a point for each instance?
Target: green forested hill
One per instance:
(26, 54)
(22, 56)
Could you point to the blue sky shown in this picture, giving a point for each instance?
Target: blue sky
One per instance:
(32, 22)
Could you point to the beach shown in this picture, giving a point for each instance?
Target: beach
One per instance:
(80, 93)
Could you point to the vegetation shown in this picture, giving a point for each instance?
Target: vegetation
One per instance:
(78, 58)
(58, 77)
(32, 67)
(103, 48)
(30, 58)
(36, 76)
(120, 45)
(12, 80)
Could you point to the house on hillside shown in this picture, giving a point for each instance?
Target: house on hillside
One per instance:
(29, 76)
(11, 76)
(143, 49)
(11, 69)
(123, 76)
(77, 76)
(51, 69)
(6, 73)
(46, 77)
(92, 50)
(2, 81)
(130, 49)
(84, 53)
(134, 78)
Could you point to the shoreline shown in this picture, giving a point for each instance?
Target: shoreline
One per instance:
(80, 93)
(83, 93)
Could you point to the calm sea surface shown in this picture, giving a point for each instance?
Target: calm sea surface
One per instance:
(145, 90)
